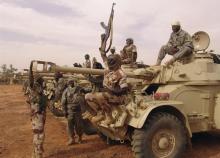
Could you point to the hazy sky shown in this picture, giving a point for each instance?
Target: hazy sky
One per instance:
(62, 31)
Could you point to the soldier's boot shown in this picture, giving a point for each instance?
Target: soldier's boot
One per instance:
(71, 141)
(39, 155)
(99, 117)
(80, 140)
(108, 120)
(33, 155)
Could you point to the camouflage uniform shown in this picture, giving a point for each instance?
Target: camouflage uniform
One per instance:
(38, 117)
(72, 102)
(181, 41)
(114, 80)
(129, 53)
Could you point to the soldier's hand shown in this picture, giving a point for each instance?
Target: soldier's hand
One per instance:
(174, 49)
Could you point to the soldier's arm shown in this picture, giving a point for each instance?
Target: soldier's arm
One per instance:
(188, 41)
(64, 101)
(170, 41)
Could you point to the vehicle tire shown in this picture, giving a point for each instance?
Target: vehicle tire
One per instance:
(163, 136)
(56, 110)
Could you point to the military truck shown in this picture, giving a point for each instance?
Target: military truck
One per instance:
(167, 104)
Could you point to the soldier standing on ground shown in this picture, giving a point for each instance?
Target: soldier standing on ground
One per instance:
(38, 103)
(179, 45)
(87, 63)
(72, 101)
(60, 85)
(129, 52)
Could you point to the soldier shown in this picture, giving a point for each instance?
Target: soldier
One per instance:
(179, 45)
(87, 63)
(60, 85)
(115, 83)
(96, 64)
(96, 80)
(38, 115)
(112, 50)
(129, 52)
(72, 101)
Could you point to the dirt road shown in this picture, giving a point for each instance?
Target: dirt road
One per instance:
(16, 135)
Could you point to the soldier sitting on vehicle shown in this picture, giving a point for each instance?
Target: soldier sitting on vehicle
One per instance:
(179, 45)
(72, 101)
(87, 63)
(129, 52)
(115, 84)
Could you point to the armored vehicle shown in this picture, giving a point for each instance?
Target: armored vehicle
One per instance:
(166, 104)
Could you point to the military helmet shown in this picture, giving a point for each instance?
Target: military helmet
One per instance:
(114, 61)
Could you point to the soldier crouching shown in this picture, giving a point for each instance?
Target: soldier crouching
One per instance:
(116, 88)
(38, 116)
(72, 101)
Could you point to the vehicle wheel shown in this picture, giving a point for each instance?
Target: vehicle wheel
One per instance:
(163, 136)
(55, 108)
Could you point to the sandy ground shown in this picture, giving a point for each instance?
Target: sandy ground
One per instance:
(16, 135)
